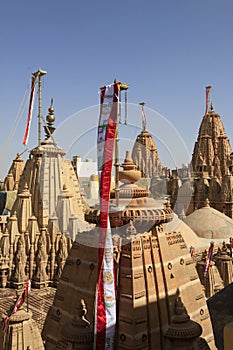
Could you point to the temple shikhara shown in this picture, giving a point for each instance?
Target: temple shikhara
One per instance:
(141, 267)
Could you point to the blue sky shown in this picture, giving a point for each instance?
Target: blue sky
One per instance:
(167, 51)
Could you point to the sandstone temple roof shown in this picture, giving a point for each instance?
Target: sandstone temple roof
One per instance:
(211, 154)
(152, 264)
(190, 237)
(210, 223)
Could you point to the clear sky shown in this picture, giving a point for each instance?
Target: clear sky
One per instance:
(167, 51)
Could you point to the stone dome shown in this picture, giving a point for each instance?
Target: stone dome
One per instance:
(210, 223)
(190, 237)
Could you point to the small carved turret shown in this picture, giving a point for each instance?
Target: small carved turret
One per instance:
(19, 276)
(78, 334)
(21, 333)
(12, 179)
(129, 173)
(212, 282)
(224, 264)
(183, 333)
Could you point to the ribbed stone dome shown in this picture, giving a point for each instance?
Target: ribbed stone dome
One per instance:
(209, 223)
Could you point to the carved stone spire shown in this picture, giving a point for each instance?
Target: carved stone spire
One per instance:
(23, 208)
(64, 209)
(145, 155)
(14, 173)
(224, 264)
(61, 255)
(14, 235)
(40, 278)
(211, 154)
(212, 283)
(19, 275)
(182, 332)
(22, 332)
(78, 333)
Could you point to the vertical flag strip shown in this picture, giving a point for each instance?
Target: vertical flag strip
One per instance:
(28, 286)
(231, 241)
(17, 306)
(191, 251)
(105, 315)
(207, 100)
(31, 104)
(208, 258)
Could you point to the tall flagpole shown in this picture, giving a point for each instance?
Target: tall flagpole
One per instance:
(122, 87)
(38, 75)
(208, 88)
(142, 104)
(105, 311)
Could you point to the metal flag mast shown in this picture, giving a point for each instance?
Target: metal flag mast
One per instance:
(38, 75)
(107, 148)
(142, 104)
(122, 87)
(208, 88)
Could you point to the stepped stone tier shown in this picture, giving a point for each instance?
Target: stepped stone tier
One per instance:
(45, 218)
(152, 263)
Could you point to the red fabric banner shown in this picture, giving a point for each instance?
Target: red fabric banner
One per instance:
(208, 259)
(31, 104)
(17, 306)
(106, 141)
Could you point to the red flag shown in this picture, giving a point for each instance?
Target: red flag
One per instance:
(28, 287)
(105, 317)
(31, 103)
(191, 251)
(6, 323)
(207, 100)
(18, 304)
(208, 258)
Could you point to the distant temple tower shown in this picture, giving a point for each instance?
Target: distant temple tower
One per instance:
(46, 216)
(212, 150)
(145, 153)
(212, 166)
